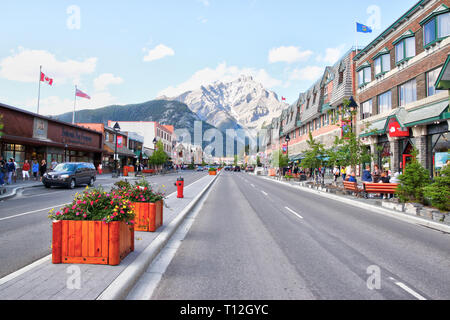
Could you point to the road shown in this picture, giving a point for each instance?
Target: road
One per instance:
(256, 239)
(25, 230)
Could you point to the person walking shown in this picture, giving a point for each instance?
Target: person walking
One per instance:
(25, 171)
(35, 169)
(11, 169)
(335, 173)
(3, 171)
(42, 169)
(16, 165)
(343, 173)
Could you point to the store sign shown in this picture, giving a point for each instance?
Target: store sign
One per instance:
(440, 159)
(395, 130)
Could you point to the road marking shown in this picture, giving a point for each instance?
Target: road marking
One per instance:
(30, 212)
(408, 289)
(293, 212)
(252, 185)
(264, 193)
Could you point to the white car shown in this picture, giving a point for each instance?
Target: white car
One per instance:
(259, 171)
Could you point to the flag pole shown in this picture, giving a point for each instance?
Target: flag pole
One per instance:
(39, 91)
(74, 105)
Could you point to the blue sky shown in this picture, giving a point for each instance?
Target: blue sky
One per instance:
(134, 51)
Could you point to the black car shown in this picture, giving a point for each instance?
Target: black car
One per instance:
(237, 169)
(70, 174)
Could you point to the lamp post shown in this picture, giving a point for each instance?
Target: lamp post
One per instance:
(65, 152)
(287, 139)
(116, 130)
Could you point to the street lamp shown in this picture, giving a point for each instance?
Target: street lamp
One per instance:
(287, 139)
(353, 106)
(116, 130)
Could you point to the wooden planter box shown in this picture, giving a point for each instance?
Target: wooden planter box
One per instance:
(212, 173)
(91, 242)
(149, 216)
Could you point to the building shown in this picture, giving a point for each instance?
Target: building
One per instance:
(315, 111)
(400, 107)
(29, 136)
(150, 130)
(126, 156)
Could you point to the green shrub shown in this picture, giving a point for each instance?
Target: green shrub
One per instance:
(439, 191)
(413, 181)
(212, 169)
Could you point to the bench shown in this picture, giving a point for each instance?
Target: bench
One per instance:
(352, 186)
(385, 188)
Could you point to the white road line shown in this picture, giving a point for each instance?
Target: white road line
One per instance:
(408, 289)
(252, 185)
(293, 212)
(30, 212)
(264, 193)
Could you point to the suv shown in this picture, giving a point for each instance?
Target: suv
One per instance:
(70, 174)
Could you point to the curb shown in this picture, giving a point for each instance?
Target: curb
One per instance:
(15, 190)
(122, 285)
(380, 210)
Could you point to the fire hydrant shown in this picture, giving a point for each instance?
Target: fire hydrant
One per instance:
(180, 185)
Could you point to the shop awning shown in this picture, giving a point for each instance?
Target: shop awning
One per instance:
(377, 127)
(427, 114)
(326, 107)
(138, 153)
(296, 157)
(124, 151)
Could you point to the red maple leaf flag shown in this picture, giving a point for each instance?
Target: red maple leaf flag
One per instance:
(81, 94)
(283, 99)
(46, 79)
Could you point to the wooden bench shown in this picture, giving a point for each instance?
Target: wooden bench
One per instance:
(385, 188)
(352, 186)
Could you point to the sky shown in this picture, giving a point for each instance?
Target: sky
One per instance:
(123, 52)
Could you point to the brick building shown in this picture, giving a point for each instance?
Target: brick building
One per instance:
(400, 107)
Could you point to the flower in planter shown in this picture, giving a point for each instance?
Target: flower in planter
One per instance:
(96, 205)
(140, 192)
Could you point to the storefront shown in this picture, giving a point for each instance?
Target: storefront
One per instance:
(32, 137)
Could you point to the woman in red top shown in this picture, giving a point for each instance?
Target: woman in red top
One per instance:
(25, 170)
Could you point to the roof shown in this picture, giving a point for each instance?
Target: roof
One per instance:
(443, 80)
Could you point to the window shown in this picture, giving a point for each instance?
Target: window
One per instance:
(405, 49)
(437, 28)
(364, 76)
(431, 80)
(407, 92)
(366, 109)
(382, 64)
(384, 102)
(341, 77)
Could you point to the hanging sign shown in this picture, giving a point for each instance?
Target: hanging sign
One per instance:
(395, 130)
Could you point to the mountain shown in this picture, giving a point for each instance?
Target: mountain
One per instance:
(165, 112)
(243, 103)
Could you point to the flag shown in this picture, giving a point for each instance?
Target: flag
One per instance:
(82, 94)
(119, 142)
(46, 79)
(363, 28)
(283, 99)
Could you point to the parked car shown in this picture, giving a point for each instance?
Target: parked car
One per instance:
(259, 171)
(249, 169)
(70, 175)
(237, 169)
(199, 168)
(228, 168)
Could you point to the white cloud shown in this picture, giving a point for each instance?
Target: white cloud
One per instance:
(288, 54)
(332, 55)
(159, 52)
(309, 73)
(54, 105)
(222, 73)
(104, 80)
(24, 65)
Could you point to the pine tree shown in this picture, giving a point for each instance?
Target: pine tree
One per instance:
(439, 191)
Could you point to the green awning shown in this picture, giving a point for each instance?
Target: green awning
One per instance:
(375, 128)
(427, 114)
(138, 154)
(443, 80)
(296, 157)
(326, 107)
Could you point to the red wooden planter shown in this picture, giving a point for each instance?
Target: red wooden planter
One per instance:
(149, 216)
(91, 242)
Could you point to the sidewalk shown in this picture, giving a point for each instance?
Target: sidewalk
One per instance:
(47, 281)
(8, 191)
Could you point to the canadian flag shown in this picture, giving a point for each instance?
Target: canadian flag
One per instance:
(283, 99)
(44, 78)
(81, 94)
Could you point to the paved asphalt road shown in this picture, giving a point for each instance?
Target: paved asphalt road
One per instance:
(256, 239)
(25, 230)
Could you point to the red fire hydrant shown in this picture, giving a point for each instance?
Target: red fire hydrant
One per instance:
(180, 186)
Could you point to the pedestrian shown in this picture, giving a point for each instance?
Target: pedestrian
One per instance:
(10, 168)
(376, 174)
(16, 165)
(25, 170)
(42, 169)
(3, 171)
(366, 176)
(343, 173)
(35, 169)
(99, 168)
(53, 164)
